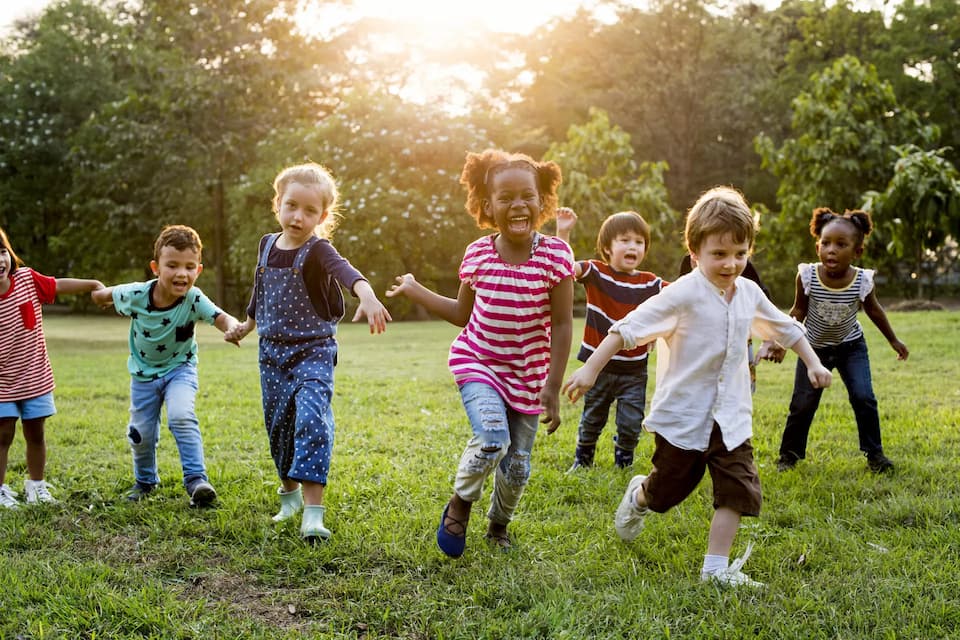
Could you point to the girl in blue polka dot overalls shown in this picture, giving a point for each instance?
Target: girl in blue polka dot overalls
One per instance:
(295, 307)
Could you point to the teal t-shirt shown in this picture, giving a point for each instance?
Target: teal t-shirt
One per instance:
(161, 339)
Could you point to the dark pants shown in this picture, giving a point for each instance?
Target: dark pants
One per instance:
(851, 361)
(630, 394)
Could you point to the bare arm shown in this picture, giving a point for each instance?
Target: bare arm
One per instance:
(800, 302)
(566, 221)
(455, 311)
(879, 317)
(75, 285)
(561, 333)
(239, 331)
(227, 323)
(584, 378)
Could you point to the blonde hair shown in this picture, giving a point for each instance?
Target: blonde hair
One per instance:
(310, 174)
(721, 211)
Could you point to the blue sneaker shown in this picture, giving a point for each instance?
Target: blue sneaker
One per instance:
(139, 491)
(201, 492)
(452, 539)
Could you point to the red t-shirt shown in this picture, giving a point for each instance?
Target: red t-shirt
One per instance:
(24, 366)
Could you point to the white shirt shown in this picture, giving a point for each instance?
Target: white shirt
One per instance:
(707, 378)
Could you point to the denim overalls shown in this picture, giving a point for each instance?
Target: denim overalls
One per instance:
(298, 352)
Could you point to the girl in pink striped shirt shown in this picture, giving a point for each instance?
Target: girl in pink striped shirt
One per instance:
(515, 305)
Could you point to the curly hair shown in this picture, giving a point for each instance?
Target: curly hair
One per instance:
(620, 223)
(480, 168)
(178, 236)
(860, 220)
(720, 210)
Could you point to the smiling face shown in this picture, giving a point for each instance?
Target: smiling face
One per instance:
(5, 266)
(838, 246)
(300, 209)
(176, 271)
(722, 259)
(514, 203)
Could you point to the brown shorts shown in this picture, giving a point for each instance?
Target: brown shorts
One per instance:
(677, 472)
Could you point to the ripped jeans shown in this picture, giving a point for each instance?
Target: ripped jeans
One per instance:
(502, 441)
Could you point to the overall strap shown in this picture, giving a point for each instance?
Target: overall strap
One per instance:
(301, 258)
(271, 240)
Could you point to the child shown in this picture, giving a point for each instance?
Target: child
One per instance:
(515, 305)
(701, 409)
(828, 296)
(614, 287)
(163, 360)
(26, 379)
(295, 307)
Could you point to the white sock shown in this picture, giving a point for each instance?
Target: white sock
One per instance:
(713, 564)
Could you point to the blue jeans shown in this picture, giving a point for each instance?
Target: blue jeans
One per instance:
(630, 392)
(178, 390)
(502, 441)
(851, 361)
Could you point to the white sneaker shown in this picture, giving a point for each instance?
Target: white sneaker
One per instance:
(8, 497)
(732, 576)
(37, 491)
(629, 518)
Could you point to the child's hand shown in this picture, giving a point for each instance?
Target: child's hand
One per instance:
(771, 351)
(820, 377)
(901, 349)
(550, 415)
(579, 383)
(404, 283)
(376, 314)
(566, 221)
(238, 331)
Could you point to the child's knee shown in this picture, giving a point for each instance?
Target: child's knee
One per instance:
(516, 471)
(482, 457)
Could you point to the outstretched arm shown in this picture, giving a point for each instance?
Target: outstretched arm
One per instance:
(876, 313)
(76, 285)
(586, 376)
(455, 311)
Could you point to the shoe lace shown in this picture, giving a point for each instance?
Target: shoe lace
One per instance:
(737, 564)
(7, 495)
(42, 490)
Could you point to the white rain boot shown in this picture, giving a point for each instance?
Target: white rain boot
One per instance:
(312, 529)
(290, 503)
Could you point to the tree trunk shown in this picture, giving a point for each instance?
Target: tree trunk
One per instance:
(219, 241)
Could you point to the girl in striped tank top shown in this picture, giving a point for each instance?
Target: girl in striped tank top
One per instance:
(829, 294)
(515, 304)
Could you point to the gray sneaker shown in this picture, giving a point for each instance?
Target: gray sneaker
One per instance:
(629, 518)
(202, 493)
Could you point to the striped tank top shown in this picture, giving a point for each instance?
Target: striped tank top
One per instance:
(832, 313)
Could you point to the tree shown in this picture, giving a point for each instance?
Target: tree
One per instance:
(56, 72)
(601, 177)
(921, 212)
(846, 123)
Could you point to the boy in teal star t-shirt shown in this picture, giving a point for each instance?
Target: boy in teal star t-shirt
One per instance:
(163, 314)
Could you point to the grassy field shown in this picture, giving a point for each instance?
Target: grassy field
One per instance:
(845, 553)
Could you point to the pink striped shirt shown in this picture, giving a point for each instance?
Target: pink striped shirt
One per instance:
(24, 366)
(506, 342)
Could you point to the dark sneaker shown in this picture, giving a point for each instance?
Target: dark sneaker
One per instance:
(622, 458)
(202, 493)
(583, 457)
(879, 463)
(140, 491)
(786, 462)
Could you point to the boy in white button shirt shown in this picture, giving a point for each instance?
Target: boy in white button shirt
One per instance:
(701, 412)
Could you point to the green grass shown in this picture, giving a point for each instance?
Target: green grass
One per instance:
(845, 553)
